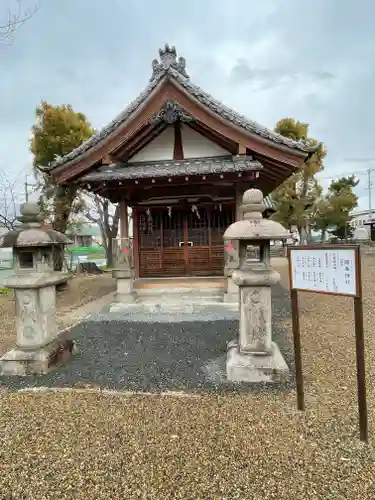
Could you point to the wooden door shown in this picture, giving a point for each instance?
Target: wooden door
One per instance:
(198, 237)
(183, 242)
(205, 229)
(161, 243)
(174, 261)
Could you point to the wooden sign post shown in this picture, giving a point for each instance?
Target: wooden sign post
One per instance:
(333, 270)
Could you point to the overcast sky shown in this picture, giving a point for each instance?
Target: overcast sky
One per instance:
(313, 61)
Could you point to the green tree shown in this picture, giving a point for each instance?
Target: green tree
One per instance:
(343, 232)
(295, 199)
(56, 132)
(321, 216)
(333, 209)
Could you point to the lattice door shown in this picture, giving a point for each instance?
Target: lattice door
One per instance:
(173, 255)
(220, 219)
(150, 243)
(198, 242)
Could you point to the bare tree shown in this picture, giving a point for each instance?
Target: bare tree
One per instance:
(102, 212)
(14, 19)
(7, 202)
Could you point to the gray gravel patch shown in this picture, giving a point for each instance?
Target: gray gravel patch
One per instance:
(158, 352)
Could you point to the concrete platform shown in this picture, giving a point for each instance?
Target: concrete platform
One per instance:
(174, 293)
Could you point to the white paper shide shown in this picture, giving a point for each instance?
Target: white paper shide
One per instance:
(320, 270)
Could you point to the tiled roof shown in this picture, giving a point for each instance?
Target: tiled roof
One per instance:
(169, 67)
(200, 166)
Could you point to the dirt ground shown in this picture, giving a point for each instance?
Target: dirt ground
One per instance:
(87, 445)
(79, 291)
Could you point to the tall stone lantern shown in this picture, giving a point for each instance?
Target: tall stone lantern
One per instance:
(254, 357)
(38, 347)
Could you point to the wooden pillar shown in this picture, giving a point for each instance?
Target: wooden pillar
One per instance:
(178, 149)
(239, 193)
(124, 220)
(238, 214)
(136, 241)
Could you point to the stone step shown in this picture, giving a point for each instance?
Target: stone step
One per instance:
(167, 309)
(169, 292)
(178, 296)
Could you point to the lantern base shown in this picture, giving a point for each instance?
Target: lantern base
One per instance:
(124, 286)
(38, 361)
(252, 367)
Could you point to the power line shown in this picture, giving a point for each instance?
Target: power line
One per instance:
(341, 174)
(369, 190)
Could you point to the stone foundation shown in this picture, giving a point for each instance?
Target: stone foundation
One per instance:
(254, 367)
(124, 286)
(38, 361)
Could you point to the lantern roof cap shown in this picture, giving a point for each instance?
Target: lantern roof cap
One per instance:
(32, 233)
(253, 226)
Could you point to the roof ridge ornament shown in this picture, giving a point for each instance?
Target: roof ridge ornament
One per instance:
(170, 113)
(168, 59)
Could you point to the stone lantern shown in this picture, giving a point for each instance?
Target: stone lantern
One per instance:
(34, 282)
(254, 357)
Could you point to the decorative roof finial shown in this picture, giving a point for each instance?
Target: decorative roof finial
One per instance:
(168, 59)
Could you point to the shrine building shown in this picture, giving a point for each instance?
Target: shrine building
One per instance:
(181, 160)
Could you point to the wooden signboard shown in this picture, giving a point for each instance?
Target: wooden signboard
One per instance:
(333, 270)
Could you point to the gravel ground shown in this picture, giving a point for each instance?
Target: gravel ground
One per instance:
(212, 445)
(144, 352)
(80, 291)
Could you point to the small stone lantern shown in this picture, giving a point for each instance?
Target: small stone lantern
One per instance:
(254, 357)
(34, 282)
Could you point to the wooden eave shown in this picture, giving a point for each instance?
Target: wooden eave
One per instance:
(169, 89)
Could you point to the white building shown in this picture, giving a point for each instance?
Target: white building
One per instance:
(360, 223)
(361, 217)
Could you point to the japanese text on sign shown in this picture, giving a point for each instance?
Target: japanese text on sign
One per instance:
(324, 270)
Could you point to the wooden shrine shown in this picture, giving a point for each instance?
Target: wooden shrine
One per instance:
(181, 160)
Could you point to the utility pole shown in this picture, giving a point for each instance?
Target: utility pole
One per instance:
(369, 193)
(27, 185)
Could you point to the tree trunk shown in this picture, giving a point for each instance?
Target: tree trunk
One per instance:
(64, 198)
(109, 252)
(301, 235)
(58, 258)
(108, 245)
